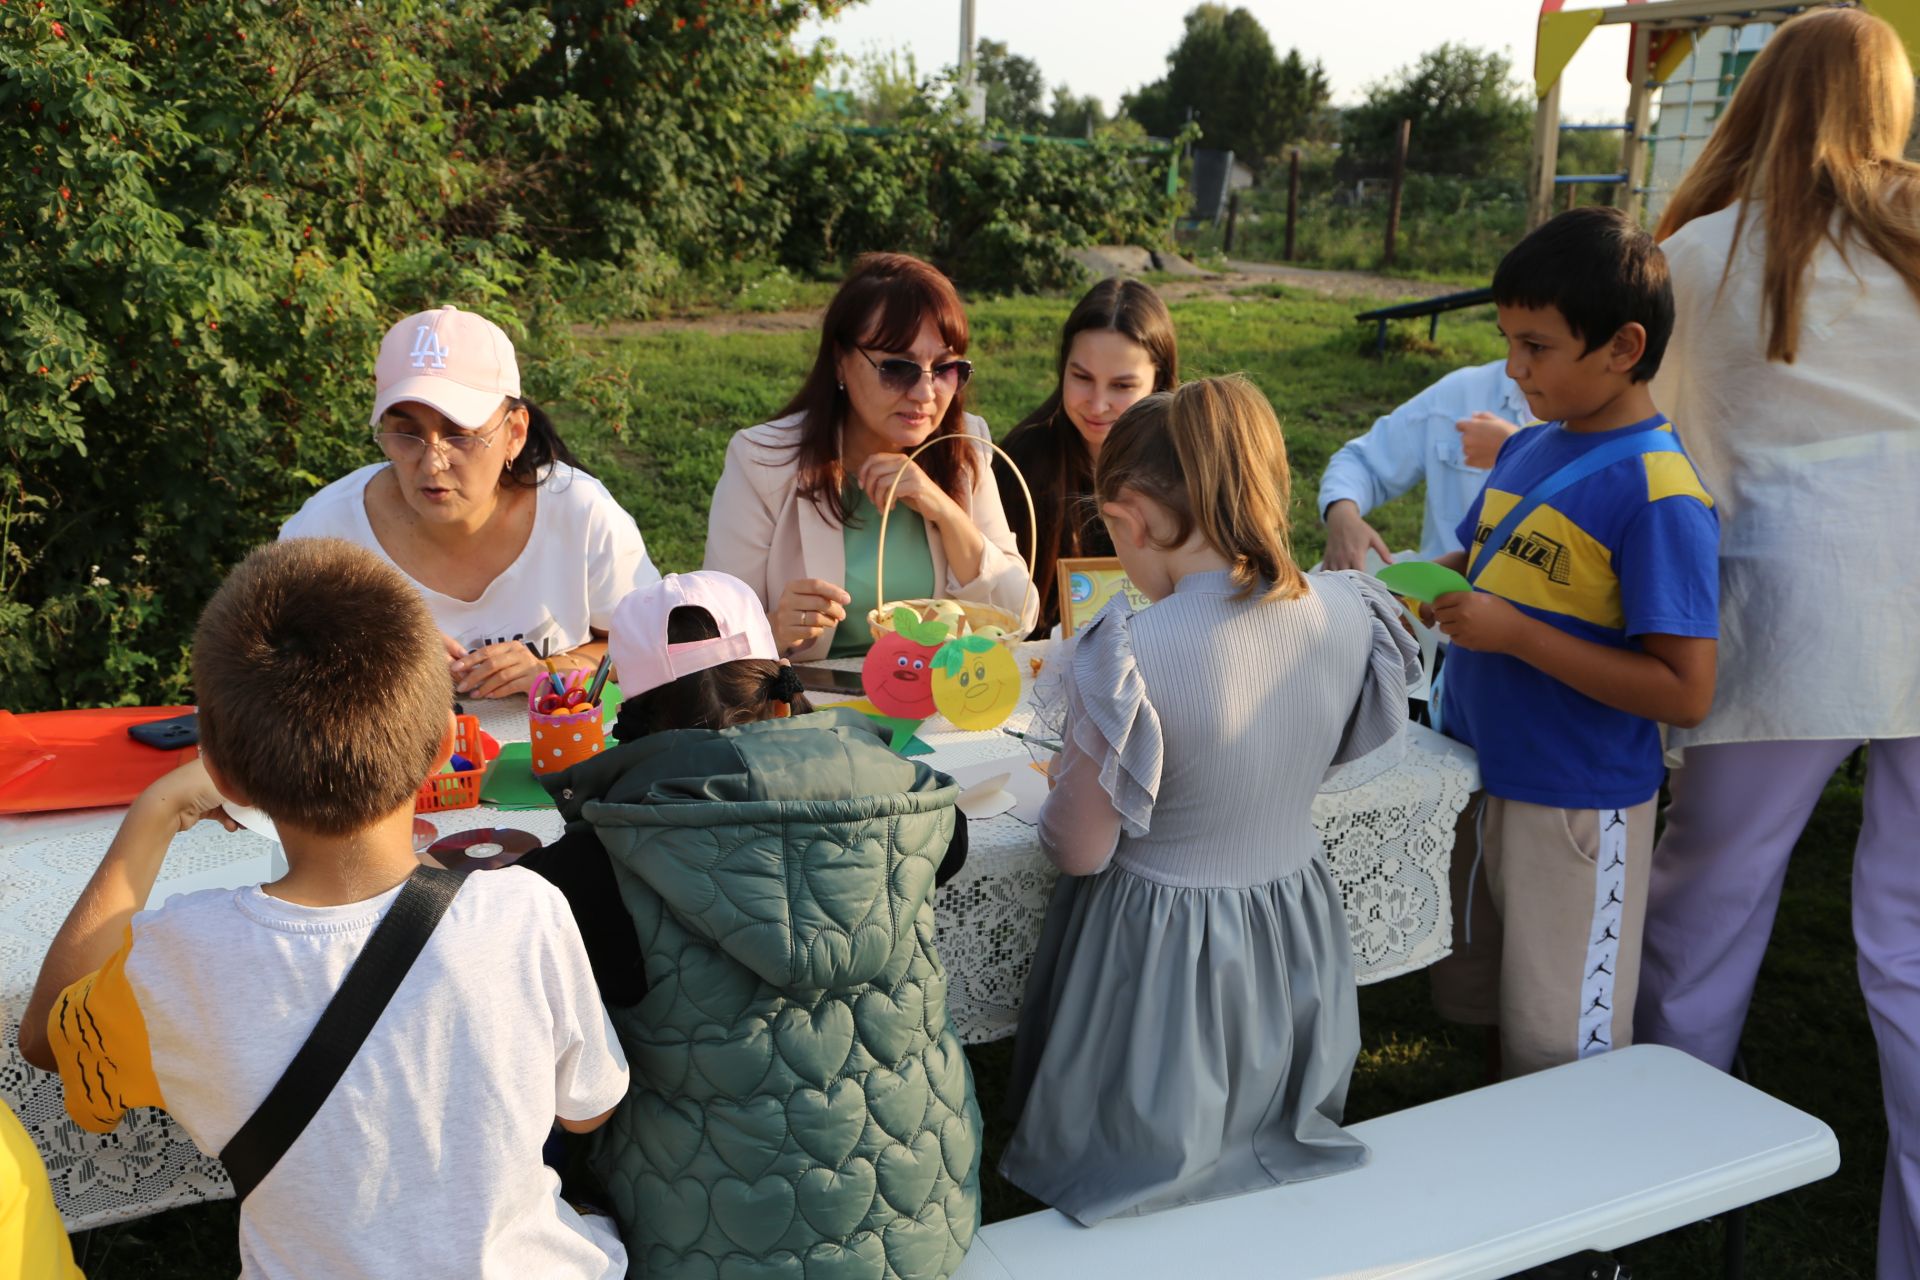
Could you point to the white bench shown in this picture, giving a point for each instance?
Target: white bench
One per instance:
(1592, 1155)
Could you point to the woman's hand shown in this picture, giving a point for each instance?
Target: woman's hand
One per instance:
(497, 670)
(916, 489)
(807, 607)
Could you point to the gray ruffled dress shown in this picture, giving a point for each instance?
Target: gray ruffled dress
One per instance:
(1190, 1025)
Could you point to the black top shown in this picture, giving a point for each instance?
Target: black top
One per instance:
(1070, 524)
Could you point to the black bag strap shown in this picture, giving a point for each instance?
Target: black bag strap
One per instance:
(377, 972)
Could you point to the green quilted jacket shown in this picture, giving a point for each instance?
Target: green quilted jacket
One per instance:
(799, 1107)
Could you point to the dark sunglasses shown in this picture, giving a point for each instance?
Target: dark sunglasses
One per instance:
(900, 376)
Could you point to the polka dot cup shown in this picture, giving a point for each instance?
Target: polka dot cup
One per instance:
(562, 738)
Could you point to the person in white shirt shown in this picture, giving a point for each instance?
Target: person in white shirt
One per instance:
(1448, 436)
(520, 554)
(1794, 248)
(324, 701)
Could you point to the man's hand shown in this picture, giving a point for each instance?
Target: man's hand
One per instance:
(1477, 620)
(1481, 437)
(1348, 537)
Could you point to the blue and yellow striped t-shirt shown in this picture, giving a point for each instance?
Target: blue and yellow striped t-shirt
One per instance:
(1631, 550)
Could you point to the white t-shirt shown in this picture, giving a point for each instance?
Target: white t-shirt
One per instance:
(582, 558)
(1815, 469)
(425, 1158)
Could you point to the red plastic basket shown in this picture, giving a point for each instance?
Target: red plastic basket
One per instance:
(460, 789)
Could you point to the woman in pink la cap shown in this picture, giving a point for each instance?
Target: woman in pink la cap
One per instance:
(520, 553)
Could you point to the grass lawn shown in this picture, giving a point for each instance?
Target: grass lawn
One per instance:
(1808, 1039)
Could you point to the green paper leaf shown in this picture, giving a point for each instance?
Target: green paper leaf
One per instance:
(909, 625)
(950, 657)
(1421, 580)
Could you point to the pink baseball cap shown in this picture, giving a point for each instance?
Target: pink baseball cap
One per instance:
(637, 636)
(449, 359)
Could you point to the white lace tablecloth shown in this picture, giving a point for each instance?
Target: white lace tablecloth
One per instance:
(1387, 820)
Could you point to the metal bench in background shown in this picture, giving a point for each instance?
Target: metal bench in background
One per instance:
(1432, 308)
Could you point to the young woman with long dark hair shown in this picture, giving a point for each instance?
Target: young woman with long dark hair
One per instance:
(1116, 348)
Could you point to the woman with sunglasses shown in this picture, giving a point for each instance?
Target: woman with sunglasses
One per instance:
(796, 513)
(520, 554)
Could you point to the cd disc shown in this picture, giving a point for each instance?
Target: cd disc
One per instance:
(481, 849)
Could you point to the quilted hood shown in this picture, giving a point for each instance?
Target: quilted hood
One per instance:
(802, 848)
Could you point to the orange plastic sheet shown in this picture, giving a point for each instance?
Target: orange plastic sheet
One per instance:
(80, 759)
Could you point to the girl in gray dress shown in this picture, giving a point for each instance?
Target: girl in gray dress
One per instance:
(1190, 1025)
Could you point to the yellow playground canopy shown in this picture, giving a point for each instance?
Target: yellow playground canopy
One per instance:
(1664, 35)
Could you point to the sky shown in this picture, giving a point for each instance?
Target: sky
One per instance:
(1106, 47)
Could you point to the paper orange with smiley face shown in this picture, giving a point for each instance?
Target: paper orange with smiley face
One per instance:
(976, 683)
(898, 671)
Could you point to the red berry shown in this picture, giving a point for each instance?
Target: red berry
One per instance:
(65, 194)
(59, 31)
(213, 324)
(43, 368)
(272, 69)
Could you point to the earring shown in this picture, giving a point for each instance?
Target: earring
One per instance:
(843, 386)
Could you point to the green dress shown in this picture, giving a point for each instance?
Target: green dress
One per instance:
(909, 568)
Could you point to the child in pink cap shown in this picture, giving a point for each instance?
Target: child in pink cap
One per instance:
(763, 874)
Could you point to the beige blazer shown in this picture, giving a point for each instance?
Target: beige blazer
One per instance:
(762, 532)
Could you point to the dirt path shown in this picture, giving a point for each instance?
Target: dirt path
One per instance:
(1361, 285)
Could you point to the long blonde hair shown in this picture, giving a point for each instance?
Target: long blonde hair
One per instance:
(1817, 127)
(1210, 452)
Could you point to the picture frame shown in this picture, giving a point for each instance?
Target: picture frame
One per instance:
(1085, 584)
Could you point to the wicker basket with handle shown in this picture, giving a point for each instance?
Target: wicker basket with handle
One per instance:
(978, 614)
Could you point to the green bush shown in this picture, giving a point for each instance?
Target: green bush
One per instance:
(690, 107)
(210, 214)
(212, 209)
(998, 215)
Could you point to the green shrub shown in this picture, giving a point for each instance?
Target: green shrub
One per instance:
(210, 214)
(998, 215)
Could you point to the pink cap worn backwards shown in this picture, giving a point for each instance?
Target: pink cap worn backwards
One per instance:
(637, 636)
(450, 360)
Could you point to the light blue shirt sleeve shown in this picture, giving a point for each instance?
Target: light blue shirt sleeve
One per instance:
(1417, 442)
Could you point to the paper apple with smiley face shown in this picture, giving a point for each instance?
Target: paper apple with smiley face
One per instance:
(976, 683)
(898, 671)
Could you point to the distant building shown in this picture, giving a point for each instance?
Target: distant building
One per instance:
(1692, 100)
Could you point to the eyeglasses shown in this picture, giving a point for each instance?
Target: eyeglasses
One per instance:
(460, 447)
(901, 376)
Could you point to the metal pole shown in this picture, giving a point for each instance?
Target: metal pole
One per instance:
(1233, 216)
(1399, 176)
(1293, 201)
(976, 100)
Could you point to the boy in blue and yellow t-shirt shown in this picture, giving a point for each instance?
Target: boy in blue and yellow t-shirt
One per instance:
(1592, 622)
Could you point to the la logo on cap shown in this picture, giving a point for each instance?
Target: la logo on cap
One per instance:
(428, 351)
